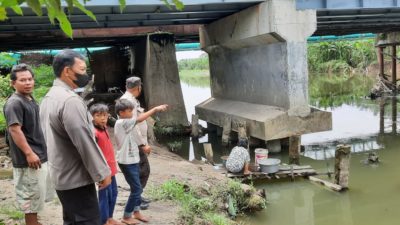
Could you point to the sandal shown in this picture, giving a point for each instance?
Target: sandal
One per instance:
(130, 221)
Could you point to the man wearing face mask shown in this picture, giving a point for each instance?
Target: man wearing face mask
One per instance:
(75, 161)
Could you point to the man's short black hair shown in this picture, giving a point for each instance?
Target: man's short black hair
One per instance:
(20, 68)
(98, 108)
(122, 105)
(63, 59)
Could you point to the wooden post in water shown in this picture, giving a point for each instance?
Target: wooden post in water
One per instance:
(381, 62)
(381, 115)
(394, 68)
(294, 149)
(208, 151)
(394, 115)
(226, 131)
(195, 126)
(342, 165)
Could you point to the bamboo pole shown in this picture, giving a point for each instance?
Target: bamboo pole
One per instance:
(342, 165)
(226, 131)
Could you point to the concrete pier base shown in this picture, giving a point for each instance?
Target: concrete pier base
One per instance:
(263, 121)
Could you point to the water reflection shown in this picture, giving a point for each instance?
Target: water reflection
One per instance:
(366, 125)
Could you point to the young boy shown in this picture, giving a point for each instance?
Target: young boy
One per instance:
(128, 155)
(108, 195)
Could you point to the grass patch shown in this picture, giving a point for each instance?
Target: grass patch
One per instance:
(12, 213)
(200, 207)
(174, 146)
(177, 130)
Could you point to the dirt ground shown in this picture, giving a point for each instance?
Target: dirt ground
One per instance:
(164, 166)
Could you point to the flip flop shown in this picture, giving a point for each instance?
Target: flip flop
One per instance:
(132, 221)
(143, 219)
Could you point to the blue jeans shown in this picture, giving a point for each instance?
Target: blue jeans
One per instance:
(132, 176)
(107, 200)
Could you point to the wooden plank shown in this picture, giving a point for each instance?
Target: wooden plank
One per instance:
(295, 167)
(303, 171)
(325, 183)
(283, 174)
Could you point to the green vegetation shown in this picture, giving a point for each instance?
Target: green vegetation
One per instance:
(341, 56)
(174, 146)
(200, 63)
(330, 91)
(43, 81)
(205, 206)
(196, 78)
(7, 60)
(177, 130)
(11, 213)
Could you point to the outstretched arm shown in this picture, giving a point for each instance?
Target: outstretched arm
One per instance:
(145, 115)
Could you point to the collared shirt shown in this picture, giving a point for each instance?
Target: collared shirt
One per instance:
(127, 148)
(140, 132)
(75, 160)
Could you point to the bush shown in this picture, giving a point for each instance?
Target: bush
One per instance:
(340, 56)
(200, 63)
(5, 86)
(44, 75)
(8, 60)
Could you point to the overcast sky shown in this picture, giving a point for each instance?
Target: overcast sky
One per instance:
(188, 54)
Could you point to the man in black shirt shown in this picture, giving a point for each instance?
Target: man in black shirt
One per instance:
(27, 144)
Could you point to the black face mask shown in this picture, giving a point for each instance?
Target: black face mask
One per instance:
(81, 79)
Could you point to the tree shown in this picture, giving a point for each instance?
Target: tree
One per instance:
(55, 11)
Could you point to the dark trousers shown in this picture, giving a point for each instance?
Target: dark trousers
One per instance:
(144, 168)
(107, 200)
(80, 206)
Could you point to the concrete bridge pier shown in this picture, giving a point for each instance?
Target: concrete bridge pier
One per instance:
(153, 58)
(258, 67)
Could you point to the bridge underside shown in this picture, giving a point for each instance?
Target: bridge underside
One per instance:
(334, 17)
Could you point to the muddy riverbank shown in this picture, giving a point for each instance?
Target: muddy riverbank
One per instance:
(164, 166)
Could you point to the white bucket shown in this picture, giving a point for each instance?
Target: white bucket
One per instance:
(260, 153)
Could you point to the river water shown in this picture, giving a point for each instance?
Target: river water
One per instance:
(366, 125)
